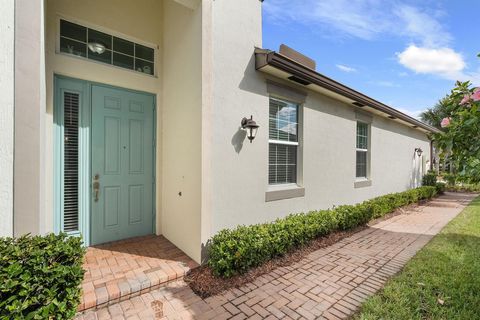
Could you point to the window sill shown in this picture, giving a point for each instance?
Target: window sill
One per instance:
(282, 192)
(362, 183)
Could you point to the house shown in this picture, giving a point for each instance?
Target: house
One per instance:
(124, 118)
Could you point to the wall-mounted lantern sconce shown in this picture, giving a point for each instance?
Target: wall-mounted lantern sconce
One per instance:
(251, 127)
(419, 151)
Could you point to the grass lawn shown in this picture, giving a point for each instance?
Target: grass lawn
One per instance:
(441, 282)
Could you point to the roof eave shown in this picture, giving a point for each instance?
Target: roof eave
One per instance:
(264, 57)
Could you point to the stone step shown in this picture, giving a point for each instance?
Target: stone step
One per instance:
(121, 270)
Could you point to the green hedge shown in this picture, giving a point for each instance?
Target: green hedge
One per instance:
(464, 188)
(429, 179)
(40, 277)
(236, 251)
(440, 187)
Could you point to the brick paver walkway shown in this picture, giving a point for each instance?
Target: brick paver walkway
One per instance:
(125, 268)
(329, 283)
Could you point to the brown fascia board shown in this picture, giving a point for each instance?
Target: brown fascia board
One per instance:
(264, 57)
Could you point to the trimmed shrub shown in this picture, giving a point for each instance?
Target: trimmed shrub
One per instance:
(450, 178)
(429, 179)
(238, 250)
(464, 188)
(441, 186)
(40, 276)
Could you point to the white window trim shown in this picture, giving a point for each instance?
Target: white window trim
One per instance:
(366, 181)
(289, 190)
(290, 143)
(282, 186)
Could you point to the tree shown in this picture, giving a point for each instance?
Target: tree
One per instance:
(461, 130)
(433, 116)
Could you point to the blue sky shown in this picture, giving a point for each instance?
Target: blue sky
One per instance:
(406, 54)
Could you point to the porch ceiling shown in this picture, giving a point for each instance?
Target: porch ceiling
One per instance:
(191, 4)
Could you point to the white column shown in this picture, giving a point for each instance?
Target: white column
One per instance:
(29, 184)
(7, 27)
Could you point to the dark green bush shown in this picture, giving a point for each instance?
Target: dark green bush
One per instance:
(236, 251)
(40, 277)
(450, 178)
(441, 186)
(429, 179)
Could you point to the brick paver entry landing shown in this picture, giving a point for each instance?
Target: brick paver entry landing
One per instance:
(330, 283)
(126, 268)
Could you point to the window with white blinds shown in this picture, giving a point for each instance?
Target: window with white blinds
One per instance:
(362, 150)
(283, 142)
(70, 155)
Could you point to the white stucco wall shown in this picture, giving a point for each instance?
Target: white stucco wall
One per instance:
(182, 126)
(7, 32)
(29, 139)
(240, 172)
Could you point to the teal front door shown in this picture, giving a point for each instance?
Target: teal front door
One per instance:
(122, 156)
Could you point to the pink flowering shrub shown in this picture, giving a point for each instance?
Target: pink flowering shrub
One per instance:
(466, 99)
(445, 122)
(476, 95)
(460, 136)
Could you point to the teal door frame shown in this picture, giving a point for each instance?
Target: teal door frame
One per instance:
(83, 88)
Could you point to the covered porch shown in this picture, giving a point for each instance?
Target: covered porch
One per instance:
(150, 48)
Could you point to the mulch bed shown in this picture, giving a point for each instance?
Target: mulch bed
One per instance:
(205, 284)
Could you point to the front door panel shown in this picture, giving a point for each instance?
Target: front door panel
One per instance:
(122, 164)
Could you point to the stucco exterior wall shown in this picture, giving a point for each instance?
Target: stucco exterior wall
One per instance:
(240, 174)
(7, 33)
(29, 139)
(182, 126)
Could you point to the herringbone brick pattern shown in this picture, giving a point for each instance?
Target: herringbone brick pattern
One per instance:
(125, 268)
(330, 283)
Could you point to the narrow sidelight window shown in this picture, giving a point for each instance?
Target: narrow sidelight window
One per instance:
(283, 142)
(70, 160)
(362, 150)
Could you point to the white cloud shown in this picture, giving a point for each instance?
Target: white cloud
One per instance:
(443, 61)
(364, 19)
(345, 68)
(425, 60)
(430, 53)
(421, 26)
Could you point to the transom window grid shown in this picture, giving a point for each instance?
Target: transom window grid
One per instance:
(283, 142)
(74, 40)
(362, 151)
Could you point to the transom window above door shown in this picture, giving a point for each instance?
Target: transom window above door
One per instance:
(81, 41)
